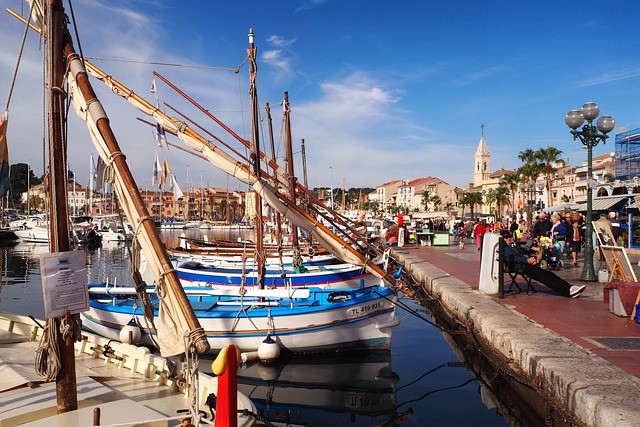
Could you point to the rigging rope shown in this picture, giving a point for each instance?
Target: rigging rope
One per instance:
(47, 361)
(15, 73)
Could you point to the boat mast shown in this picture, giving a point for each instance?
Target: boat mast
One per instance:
(157, 252)
(291, 177)
(278, 228)
(66, 387)
(255, 155)
(304, 163)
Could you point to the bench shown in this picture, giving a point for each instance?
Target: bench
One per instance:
(514, 270)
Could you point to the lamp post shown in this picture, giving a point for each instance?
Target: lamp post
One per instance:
(589, 136)
(531, 191)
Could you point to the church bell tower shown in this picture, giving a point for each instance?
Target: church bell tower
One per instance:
(482, 167)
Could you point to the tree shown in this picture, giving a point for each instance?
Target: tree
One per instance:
(425, 200)
(548, 156)
(21, 177)
(511, 181)
(471, 199)
(527, 156)
(502, 198)
(449, 206)
(490, 197)
(436, 201)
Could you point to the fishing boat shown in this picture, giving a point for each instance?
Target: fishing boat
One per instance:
(127, 384)
(307, 320)
(205, 250)
(196, 273)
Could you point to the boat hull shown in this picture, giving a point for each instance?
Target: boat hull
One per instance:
(326, 321)
(327, 277)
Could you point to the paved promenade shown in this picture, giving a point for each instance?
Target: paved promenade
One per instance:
(574, 368)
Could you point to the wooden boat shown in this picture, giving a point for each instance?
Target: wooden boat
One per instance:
(126, 383)
(334, 276)
(299, 320)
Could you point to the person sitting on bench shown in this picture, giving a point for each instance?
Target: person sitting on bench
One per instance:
(513, 255)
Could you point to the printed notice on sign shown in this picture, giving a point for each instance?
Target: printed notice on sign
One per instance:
(64, 283)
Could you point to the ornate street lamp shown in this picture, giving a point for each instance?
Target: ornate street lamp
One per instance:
(531, 190)
(589, 136)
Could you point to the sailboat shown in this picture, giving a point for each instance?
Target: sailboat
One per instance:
(178, 330)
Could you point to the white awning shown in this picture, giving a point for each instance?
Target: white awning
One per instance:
(563, 207)
(602, 203)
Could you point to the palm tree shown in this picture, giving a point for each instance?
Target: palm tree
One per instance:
(502, 199)
(473, 198)
(449, 206)
(490, 197)
(527, 156)
(511, 181)
(426, 200)
(436, 201)
(463, 201)
(547, 156)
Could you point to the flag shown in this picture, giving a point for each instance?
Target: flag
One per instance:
(165, 172)
(153, 90)
(99, 174)
(157, 167)
(161, 137)
(5, 182)
(173, 186)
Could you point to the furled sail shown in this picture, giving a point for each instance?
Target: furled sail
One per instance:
(176, 317)
(5, 182)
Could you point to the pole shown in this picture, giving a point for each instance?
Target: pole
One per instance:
(255, 154)
(290, 173)
(588, 271)
(66, 386)
(331, 182)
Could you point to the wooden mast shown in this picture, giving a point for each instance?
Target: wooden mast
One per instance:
(278, 228)
(119, 164)
(291, 177)
(66, 387)
(304, 163)
(255, 157)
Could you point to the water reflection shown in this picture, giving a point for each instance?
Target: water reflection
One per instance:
(357, 384)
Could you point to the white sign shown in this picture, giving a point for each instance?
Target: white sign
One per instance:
(64, 283)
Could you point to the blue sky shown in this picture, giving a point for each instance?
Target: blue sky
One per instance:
(379, 90)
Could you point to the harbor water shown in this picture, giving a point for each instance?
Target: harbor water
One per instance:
(421, 382)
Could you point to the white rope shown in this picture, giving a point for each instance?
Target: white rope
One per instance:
(47, 361)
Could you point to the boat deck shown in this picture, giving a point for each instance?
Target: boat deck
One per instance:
(132, 389)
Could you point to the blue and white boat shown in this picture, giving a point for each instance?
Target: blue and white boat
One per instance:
(299, 320)
(194, 273)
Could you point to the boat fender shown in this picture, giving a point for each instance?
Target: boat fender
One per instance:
(248, 357)
(311, 252)
(268, 350)
(131, 333)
